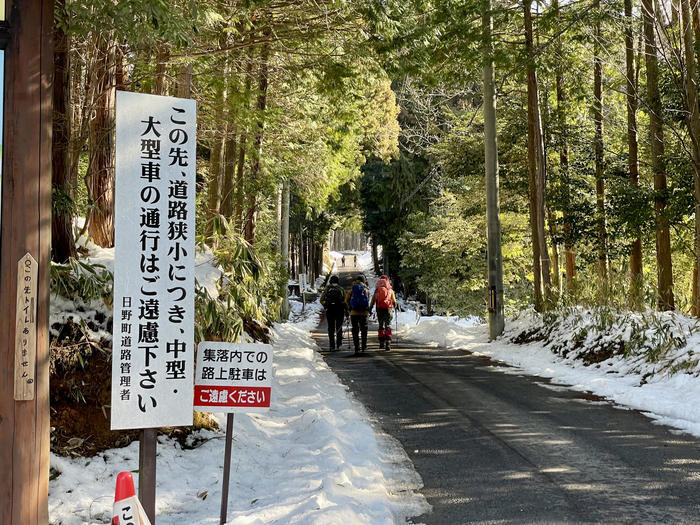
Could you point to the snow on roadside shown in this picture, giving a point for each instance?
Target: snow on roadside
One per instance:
(364, 261)
(313, 459)
(671, 400)
(364, 258)
(206, 272)
(305, 318)
(97, 313)
(90, 316)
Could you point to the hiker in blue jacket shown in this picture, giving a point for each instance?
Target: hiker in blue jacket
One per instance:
(357, 300)
(333, 300)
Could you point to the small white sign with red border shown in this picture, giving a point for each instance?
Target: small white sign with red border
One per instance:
(233, 377)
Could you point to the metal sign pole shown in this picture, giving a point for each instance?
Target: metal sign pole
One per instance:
(147, 472)
(227, 468)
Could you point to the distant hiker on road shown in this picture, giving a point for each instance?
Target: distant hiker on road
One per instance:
(357, 300)
(385, 300)
(333, 300)
(342, 261)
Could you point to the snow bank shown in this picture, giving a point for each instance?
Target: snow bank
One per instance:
(364, 261)
(307, 319)
(439, 331)
(92, 316)
(206, 272)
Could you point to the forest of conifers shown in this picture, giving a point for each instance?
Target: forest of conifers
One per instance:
(318, 115)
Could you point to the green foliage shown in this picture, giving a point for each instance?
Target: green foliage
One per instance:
(244, 273)
(61, 201)
(78, 279)
(248, 289)
(140, 22)
(430, 39)
(343, 77)
(324, 137)
(444, 254)
(441, 253)
(216, 318)
(630, 208)
(81, 197)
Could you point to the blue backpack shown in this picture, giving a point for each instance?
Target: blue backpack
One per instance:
(358, 298)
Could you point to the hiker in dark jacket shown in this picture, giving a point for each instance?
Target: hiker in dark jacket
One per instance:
(357, 300)
(333, 300)
(385, 300)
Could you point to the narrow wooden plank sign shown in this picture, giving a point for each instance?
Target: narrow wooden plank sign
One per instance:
(25, 328)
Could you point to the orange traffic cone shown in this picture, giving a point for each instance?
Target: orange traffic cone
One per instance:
(127, 508)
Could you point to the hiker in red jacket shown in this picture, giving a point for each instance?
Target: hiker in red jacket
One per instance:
(385, 300)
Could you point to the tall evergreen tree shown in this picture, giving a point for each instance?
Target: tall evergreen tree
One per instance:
(636, 270)
(656, 139)
(601, 228)
(536, 171)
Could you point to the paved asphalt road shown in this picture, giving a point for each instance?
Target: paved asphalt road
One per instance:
(502, 448)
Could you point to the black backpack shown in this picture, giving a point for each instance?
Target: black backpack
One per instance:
(335, 296)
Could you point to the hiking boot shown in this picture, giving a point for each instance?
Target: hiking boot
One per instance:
(381, 343)
(357, 350)
(363, 349)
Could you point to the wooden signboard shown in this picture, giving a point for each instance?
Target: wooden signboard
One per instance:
(25, 331)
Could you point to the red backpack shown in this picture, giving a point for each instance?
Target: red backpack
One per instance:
(383, 293)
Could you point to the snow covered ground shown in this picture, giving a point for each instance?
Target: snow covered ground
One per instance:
(313, 459)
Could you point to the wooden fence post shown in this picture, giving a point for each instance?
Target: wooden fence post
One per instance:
(25, 227)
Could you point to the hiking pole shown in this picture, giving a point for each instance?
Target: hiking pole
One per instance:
(347, 330)
(396, 314)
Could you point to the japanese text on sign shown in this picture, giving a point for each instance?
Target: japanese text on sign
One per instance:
(153, 345)
(233, 377)
(25, 328)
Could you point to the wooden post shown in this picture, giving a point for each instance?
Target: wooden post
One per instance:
(147, 472)
(25, 227)
(227, 469)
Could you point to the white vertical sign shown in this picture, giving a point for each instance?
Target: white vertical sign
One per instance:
(153, 335)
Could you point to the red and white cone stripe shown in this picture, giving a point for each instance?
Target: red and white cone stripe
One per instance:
(127, 508)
